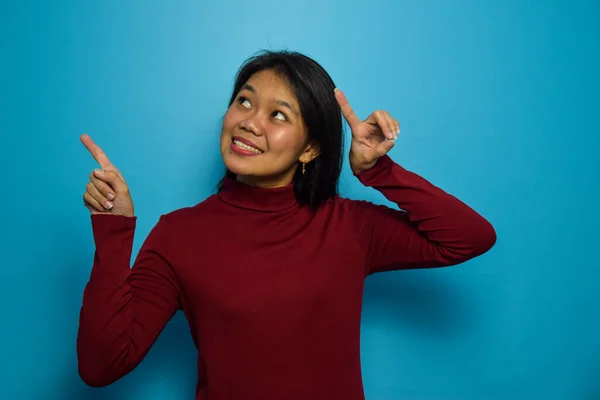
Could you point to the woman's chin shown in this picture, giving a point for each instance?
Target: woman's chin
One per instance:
(237, 168)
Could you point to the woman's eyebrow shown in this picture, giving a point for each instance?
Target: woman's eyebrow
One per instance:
(288, 105)
(282, 103)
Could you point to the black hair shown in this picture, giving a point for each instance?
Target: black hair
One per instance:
(314, 90)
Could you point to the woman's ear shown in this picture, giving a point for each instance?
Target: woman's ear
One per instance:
(311, 151)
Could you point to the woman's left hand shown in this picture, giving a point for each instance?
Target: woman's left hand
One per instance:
(371, 138)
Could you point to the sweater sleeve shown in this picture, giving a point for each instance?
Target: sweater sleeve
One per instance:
(124, 308)
(432, 229)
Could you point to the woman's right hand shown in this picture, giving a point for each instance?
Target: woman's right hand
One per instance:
(106, 192)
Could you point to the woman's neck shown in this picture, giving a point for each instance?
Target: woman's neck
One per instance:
(267, 182)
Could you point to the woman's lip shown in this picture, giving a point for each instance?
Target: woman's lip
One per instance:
(247, 142)
(244, 152)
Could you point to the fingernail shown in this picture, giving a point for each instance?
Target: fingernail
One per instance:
(99, 171)
(109, 205)
(110, 196)
(392, 133)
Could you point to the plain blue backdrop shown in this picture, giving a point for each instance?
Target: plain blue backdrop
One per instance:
(499, 105)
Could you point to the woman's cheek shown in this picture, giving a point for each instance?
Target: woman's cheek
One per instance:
(284, 139)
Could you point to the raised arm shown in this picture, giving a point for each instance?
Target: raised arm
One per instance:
(124, 308)
(431, 229)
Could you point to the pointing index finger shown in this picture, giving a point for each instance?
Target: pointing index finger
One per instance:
(347, 110)
(96, 152)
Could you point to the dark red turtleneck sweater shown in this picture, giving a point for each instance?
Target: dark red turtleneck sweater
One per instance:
(272, 290)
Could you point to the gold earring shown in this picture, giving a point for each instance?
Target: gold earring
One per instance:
(303, 168)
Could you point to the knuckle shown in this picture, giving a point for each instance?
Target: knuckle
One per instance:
(88, 199)
(102, 187)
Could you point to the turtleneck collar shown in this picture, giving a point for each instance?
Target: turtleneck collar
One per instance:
(249, 197)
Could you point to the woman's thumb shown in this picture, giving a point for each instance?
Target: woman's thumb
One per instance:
(112, 178)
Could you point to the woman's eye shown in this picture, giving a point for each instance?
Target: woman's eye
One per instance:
(280, 116)
(244, 102)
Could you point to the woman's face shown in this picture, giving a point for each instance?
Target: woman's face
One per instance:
(263, 137)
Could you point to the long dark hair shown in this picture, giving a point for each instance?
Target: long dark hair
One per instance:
(314, 90)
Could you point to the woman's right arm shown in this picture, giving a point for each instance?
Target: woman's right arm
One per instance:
(124, 308)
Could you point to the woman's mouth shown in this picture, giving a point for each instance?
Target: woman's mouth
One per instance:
(243, 148)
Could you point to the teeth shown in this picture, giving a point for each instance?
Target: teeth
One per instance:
(246, 147)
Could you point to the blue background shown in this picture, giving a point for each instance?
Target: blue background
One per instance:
(499, 104)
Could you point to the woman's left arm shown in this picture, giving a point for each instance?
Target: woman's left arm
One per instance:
(432, 229)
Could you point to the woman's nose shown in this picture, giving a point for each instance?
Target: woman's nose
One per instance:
(253, 125)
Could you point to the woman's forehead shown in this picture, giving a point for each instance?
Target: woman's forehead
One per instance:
(268, 81)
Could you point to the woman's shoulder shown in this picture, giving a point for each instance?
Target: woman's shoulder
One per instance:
(191, 212)
(348, 202)
(357, 208)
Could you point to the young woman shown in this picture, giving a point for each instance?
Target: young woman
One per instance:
(269, 271)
